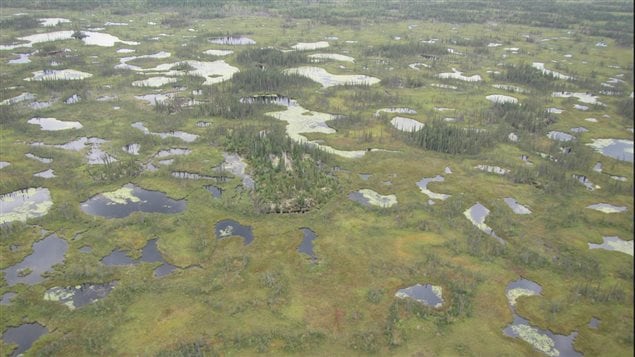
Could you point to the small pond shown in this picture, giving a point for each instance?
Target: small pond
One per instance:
(326, 79)
(77, 296)
(4, 164)
(47, 174)
(477, 214)
(429, 295)
(52, 124)
(619, 149)
(308, 46)
(614, 243)
(367, 197)
(46, 253)
(7, 297)
(128, 199)
(406, 124)
(423, 186)
(594, 323)
(306, 246)
(521, 287)
(172, 152)
(542, 340)
(230, 228)
(216, 192)
(607, 208)
(44, 160)
(516, 207)
(24, 204)
(501, 99)
(24, 336)
(149, 254)
(58, 75)
(459, 75)
(560, 136)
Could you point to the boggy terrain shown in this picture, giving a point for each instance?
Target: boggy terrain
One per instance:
(227, 178)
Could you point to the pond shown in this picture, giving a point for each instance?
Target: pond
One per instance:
(560, 136)
(541, 66)
(187, 137)
(19, 98)
(501, 99)
(46, 174)
(620, 149)
(216, 192)
(46, 253)
(367, 197)
(58, 75)
(607, 208)
(4, 164)
(44, 160)
(232, 40)
(300, 120)
(52, 124)
(235, 165)
(317, 57)
(306, 246)
(23, 336)
(521, 287)
(477, 214)
(219, 53)
(428, 295)
(516, 207)
(22, 59)
(423, 186)
(92, 38)
(154, 82)
(406, 124)
(309, 46)
(172, 152)
(614, 243)
(588, 98)
(542, 340)
(129, 199)
(149, 254)
(7, 297)
(230, 228)
(24, 204)
(326, 79)
(594, 323)
(79, 295)
(459, 75)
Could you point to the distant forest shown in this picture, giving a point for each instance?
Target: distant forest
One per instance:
(612, 19)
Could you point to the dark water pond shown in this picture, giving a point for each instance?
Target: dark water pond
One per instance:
(129, 199)
(542, 340)
(306, 246)
(594, 323)
(46, 253)
(149, 254)
(216, 192)
(7, 297)
(429, 295)
(23, 336)
(77, 296)
(229, 228)
(359, 198)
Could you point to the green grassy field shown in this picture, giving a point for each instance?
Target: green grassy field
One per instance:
(231, 299)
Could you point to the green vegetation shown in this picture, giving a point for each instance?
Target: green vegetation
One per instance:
(284, 294)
